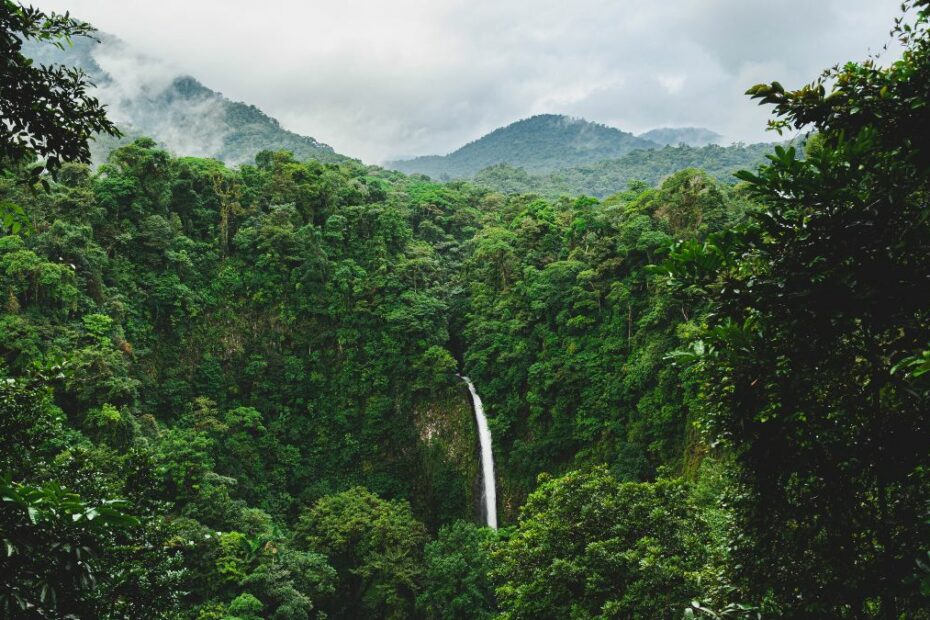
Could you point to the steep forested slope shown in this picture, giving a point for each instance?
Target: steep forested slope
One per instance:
(259, 339)
(147, 97)
(258, 343)
(182, 284)
(567, 333)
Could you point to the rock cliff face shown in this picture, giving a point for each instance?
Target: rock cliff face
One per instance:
(450, 464)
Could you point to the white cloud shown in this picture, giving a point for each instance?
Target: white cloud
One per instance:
(382, 79)
(195, 126)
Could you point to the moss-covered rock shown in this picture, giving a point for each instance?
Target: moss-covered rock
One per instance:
(448, 448)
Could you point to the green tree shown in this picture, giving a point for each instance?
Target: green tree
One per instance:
(817, 306)
(376, 547)
(294, 584)
(55, 547)
(457, 574)
(245, 607)
(589, 546)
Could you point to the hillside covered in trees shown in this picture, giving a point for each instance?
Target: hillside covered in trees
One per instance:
(236, 393)
(605, 178)
(539, 143)
(147, 97)
(674, 136)
(212, 328)
(555, 156)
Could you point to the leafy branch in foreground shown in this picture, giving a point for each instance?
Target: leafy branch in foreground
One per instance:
(52, 540)
(45, 111)
(810, 326)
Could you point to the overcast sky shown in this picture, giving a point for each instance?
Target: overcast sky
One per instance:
(380, 79)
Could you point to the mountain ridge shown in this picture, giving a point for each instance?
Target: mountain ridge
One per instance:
(539, 143)
(174, 108)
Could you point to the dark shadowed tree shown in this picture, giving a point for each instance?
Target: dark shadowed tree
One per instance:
(813, 351)
(45, 111)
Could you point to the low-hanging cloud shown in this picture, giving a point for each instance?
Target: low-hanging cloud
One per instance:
(136, 91)
(381, 80)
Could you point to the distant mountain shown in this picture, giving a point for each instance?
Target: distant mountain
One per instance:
(690, 136)
(537, 144)
(610, 176)
(147, 97)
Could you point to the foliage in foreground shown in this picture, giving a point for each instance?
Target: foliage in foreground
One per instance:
(45, 111)
(811, 356)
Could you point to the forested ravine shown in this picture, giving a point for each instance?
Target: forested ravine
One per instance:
(237, 393)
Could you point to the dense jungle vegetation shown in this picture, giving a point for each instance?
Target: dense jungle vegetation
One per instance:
(607, 177)
(234, 393)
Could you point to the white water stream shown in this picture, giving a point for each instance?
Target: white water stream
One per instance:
(487, 457)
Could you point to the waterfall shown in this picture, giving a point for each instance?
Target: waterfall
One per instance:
(487, 457)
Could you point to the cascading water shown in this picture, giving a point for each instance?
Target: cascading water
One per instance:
(487, 457)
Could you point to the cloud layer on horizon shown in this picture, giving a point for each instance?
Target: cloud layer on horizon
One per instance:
(382, 80)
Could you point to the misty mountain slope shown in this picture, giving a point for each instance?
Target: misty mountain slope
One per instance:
(610, 176)
(148, 97)
(690, 136)
(538, 144)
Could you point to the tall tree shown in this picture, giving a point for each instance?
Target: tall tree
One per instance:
(821, 308)
(590, 546)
